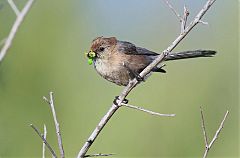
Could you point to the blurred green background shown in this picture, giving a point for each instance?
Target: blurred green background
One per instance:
(47, 54)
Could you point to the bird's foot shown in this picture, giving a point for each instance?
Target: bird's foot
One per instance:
(133, 73)
(115, 101)
(139, 78)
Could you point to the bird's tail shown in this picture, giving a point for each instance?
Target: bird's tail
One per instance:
(190, 54)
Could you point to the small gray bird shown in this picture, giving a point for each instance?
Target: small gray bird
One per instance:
(121, 61)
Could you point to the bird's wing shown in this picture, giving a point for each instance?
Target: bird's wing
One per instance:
(131, 49)
(144, 51)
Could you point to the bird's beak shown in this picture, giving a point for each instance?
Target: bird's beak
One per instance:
(91, 55)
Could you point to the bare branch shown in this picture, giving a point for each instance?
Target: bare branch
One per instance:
(204, 129)
(184, 19)
(45, 137)
(44, 140)
(95, 155)
(174, 10)
(14, 7)
(51, 103)
(134, 82)
(219, 130)
(14, 29)
(147, 111)
(208, 146)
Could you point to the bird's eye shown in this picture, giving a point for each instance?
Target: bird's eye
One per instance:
(101, 49)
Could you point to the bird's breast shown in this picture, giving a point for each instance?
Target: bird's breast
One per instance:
(112, 71)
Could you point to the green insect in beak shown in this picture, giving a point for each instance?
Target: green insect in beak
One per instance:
(91, 55)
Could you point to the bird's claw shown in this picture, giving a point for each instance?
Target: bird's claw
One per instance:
(139, 78)
(115, 101)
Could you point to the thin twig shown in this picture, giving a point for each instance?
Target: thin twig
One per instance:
(14, 7)
(95, 155)
(219, 129)
(174, 10)
(44, 140)
(147, 111)
(208, 146)
(204, 128)
(203, 22)
(184, 19)
(14, 29)
(134, 82)
(45, 137)
(51, 103)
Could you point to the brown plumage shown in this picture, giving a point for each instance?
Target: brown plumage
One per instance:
(120, 61)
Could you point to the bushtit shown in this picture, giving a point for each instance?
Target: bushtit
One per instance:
(121, 61)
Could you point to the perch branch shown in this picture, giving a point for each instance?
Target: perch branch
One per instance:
(147, 111)
(51, 103)
(208, 146)
(17, 23)
(45, 137)
(44, 140)
(134, 82)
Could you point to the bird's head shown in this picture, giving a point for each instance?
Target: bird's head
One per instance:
(101, 47)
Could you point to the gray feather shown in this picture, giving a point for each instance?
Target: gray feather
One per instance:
(190, 54)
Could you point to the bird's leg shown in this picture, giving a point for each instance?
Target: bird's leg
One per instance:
(115, 101)
(133, 73)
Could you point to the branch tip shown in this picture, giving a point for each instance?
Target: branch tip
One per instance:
(203, 22)
(51, 93)
(46, 100)
(173, 10)
(147, 111)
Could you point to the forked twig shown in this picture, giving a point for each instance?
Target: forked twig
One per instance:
(184, 19)
(208, 146)
(44, 140)
(51, 103)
